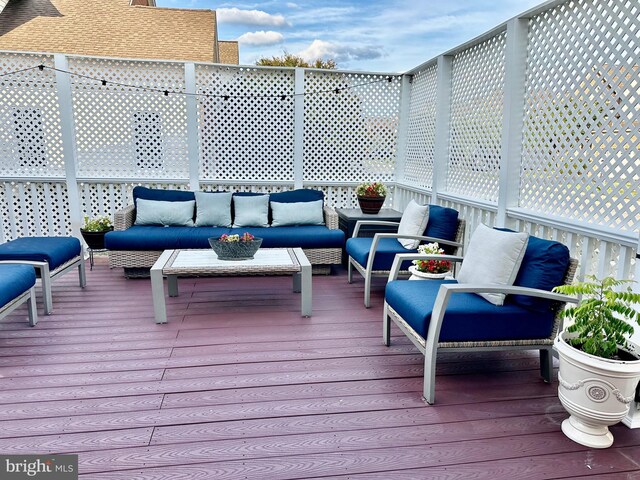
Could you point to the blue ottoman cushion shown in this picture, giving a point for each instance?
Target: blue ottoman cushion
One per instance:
(14, 281)
(358, 249)
(54, 250)
(468, 317)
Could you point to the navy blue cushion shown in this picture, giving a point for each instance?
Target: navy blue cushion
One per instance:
(54, 250)
(296, 196)
(303, 236)
(544, 265)
(443, 223)
(14, 281)
(358, 248)
(162, 195)
(143, 237)
(468, 317)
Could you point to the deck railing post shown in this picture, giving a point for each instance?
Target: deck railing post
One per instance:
(443, 117)
(403, 128)
(298, 128)
(193, 145)
(67, 127)
(512, 118)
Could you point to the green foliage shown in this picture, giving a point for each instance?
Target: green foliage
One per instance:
(97, 224)
(603, 320)
(291, 60)
(371, 189)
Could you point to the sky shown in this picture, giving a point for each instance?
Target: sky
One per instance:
(374, 35)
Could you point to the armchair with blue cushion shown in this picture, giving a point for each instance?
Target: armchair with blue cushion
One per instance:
(373, 257)
(487, 307)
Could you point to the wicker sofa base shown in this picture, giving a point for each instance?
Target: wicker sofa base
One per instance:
(137, 263)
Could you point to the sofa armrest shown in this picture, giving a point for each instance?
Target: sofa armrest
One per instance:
(123, 219)
(331, 218)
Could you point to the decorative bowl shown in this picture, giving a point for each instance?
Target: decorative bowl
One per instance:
(235, 250)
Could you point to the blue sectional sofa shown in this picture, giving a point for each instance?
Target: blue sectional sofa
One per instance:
(136, 247)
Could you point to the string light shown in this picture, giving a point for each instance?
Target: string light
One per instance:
(166, 93)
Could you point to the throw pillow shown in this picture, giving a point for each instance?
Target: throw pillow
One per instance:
(152, 212)
(251, 211)
(213, 209)
(298, 213)
(493, 257)
(413, 222)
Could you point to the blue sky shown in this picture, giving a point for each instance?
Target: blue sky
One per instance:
(375, 35)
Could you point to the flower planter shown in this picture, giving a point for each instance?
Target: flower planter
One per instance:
(94, 240)
(235, 250)
(418, 275)
(596, 392)
(371, 205)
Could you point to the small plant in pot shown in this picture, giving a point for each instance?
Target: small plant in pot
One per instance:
(94, 230)
(371, 196)
(599, 367)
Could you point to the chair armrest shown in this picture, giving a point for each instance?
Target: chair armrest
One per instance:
(123, 219)
(359, 223)
(508, 290)
(402, 257)
(331, 219)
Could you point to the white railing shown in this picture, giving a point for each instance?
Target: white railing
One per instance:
(513, 128)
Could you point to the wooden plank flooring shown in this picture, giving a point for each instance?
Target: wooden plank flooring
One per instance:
(238, 385)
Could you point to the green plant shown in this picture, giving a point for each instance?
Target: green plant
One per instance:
(603, 320)
(97, 224)
(432, 266)
(371, 189)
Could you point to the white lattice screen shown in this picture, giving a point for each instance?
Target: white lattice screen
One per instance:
(30, 130)
(580, 155)
(122, 132)
(350, 135)
(249, 135)
(477, 92)
(419, 156)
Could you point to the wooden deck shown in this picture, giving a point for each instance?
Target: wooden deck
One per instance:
(238, 385)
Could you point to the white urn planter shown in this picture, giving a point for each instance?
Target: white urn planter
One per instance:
(418, 275)
(595, 391)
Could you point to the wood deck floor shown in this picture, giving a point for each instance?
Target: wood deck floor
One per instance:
(239, 385)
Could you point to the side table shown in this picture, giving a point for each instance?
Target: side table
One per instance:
(347, 218)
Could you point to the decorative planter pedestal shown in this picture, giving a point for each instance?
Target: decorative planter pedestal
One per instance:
(595, 391)
(95, 242)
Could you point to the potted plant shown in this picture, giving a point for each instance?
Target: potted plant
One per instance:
(235, 247)
(599, 367)
(371, 196)
(430, 268)
(94, 230)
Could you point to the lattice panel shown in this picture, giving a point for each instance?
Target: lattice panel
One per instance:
(477, 93)
(249, 134)
(98, 199)
(125, 132)
(581, 149)
(30, 131)
(350, 136)
(419, 155)
(36, 209)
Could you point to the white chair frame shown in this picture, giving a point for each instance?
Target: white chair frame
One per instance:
(47, 276)
(367, 271)
(430, 346)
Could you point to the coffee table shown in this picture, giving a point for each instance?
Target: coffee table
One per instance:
(204, 262)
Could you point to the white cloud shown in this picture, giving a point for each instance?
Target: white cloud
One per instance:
(293, 5)
(249, 17)
(260, 38)
(339, 53)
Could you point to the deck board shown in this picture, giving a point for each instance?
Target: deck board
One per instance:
(239, 385)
